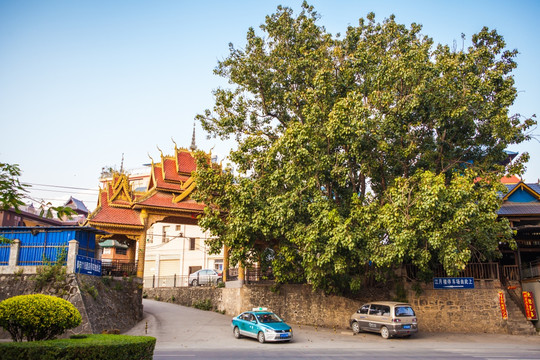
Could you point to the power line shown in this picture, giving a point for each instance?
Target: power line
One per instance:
(60, 186)
(56, 199)
(60, 191)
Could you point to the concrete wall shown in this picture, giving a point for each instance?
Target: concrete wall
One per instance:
(461, 311)
(104, 305)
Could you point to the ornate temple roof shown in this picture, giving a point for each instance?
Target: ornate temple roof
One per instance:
(168, 191)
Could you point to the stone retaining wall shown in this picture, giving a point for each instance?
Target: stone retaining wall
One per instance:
(104, 303)
(461, 311)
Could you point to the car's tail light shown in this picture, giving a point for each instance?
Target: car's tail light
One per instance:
(414, 320)
(396, 320)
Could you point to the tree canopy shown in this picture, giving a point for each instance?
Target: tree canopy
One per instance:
(12, 193)
(376, 148)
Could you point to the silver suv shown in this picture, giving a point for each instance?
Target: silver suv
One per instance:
(388, 318)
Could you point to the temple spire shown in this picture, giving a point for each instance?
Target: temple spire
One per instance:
(122, 165)
(193, 147)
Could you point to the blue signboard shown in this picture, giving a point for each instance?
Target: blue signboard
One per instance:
(453, 283)
(88, 266)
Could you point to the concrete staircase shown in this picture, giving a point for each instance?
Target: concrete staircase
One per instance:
(517, 322)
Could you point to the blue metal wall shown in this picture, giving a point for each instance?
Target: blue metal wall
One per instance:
(4, 254)
(40, 245)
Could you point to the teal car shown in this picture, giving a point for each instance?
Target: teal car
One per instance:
(262, 325)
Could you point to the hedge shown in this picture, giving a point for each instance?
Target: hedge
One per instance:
(37, 317)
(82, 347)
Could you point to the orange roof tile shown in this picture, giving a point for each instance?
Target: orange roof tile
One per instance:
(164, 200)
(164, 184)
(107, 214)
(510, 179)
(186, 162)
(169, 168)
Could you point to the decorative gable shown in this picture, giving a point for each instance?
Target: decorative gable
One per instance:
(522, 193)
(120, 189)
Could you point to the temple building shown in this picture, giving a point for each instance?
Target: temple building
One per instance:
(156, 223)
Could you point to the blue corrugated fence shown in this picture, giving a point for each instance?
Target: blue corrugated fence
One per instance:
(39, 245)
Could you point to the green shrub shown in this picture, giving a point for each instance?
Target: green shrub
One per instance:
(37, 317)
(52, 273)
(95, 347)
(107, 280)
(203, 305)
(90, 289)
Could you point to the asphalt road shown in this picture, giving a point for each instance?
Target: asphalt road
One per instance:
(187, 333)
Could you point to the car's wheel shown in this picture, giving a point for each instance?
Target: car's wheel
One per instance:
(260, 337)
(385, 333)
(219, 281)
(194, 282)
(236, 332)
(355, 327)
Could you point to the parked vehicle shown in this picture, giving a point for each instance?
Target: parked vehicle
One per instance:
(205, 277)
(388, 318)
(262, 325)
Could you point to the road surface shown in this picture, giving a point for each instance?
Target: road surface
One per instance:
(188, 333)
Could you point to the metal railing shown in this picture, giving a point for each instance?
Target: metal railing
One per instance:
(179, 281)
(530, 270)
(480, 271)
(511, 272)
(118, 268)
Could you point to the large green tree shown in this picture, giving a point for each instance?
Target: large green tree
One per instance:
(378, 147)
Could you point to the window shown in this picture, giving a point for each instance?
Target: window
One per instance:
(150, 239)
(178, 227)
(106, 250)
(379, 310)
(375, 310)
(192, 244)
(364, 309)
(404, 311)
(120, 251)
(218, 265)
(164, 237)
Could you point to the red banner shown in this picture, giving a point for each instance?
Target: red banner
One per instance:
(502, 303)
(530, 309)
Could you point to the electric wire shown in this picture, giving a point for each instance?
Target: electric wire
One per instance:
(61, 186)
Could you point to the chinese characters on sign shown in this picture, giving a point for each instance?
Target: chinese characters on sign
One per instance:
(530, 309)
(453, 283)
(88, 266)
(502, 303)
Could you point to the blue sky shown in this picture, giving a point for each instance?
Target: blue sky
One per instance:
(83, 82)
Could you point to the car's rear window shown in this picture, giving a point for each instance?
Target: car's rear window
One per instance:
(404, 311)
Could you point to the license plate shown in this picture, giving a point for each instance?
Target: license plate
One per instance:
(406, 326)
(284, 335)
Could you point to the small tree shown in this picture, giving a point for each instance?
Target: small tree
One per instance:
(12, 191)
(37, 317)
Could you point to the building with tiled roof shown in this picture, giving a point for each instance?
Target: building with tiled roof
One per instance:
(137, 218)
(521, 206)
